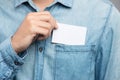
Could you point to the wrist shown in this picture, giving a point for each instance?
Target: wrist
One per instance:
(14, 44)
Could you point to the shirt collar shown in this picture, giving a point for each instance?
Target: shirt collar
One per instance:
(67, 3)
(19, 2)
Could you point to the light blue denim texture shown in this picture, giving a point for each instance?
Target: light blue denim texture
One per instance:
(98, 59)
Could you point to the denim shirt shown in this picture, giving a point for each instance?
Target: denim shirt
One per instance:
(98, 59)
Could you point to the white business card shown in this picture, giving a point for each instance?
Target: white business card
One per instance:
(69, 34)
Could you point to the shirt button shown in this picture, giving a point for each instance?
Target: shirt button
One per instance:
(16, 63)
(40, 49)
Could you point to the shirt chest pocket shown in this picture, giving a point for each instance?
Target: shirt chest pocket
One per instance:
(74, 62)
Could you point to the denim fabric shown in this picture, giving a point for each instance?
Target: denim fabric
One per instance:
(98, 59)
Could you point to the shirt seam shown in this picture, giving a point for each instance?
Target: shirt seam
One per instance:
(105, 26)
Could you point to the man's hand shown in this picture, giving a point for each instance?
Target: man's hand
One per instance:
(37, 25)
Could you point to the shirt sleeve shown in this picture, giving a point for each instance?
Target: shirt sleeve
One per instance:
(108, 60)
(9, 60)
(113, 67)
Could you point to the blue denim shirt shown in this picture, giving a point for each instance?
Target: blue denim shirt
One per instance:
(98, 59)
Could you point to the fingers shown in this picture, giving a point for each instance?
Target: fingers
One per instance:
(56, 26)
(45, 16)
(42, 33)
(44, 23)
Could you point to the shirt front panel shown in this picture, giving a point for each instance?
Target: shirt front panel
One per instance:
(58, 61)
